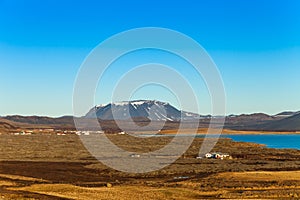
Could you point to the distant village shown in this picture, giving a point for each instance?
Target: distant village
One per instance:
(52, 131)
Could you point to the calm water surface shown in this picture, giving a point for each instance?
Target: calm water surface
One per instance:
(281, 141)
(272, 140)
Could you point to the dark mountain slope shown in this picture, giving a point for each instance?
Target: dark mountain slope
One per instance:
(287, 124)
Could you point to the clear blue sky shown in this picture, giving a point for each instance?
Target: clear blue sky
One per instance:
(255, 44)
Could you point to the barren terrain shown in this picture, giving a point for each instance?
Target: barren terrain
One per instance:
(59, 167)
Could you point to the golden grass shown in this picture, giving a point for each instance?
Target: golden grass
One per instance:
(22, 178)
(6, 183)
(183, 190)
(117, 192)
(262, 175)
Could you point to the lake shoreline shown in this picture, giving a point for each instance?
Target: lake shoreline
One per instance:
(204, 131)
(270, 140)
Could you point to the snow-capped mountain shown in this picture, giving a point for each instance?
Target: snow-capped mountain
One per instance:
(140, 109)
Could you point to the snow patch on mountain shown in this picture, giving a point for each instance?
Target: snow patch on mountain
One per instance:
(150, 109)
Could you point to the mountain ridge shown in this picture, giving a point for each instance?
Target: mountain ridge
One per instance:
(144, 111)
(151, 109)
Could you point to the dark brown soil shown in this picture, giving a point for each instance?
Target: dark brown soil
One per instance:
(63, 159)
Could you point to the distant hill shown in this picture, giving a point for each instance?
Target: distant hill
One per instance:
(6, 126)
(247, 121)
(286, 114)
(40, 120)
(256, 117)
(287, 124)
(24, 122)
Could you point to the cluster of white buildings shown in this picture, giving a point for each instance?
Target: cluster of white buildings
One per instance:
(22, 133)
(88, 132)
(218, 155)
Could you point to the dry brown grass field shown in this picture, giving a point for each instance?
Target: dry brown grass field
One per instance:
(59, 167)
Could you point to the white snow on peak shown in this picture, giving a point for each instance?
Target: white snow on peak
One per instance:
(137, 102)
(134, 103)
(101, 105)
(122, 103)
(188, 114)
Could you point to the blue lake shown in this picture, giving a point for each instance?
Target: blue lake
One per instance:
(280, 141)
(272, 140)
